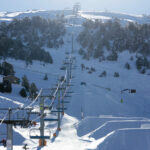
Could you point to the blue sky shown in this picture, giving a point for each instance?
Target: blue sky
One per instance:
(124, 6)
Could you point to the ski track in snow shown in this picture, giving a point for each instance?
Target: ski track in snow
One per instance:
(10, 100)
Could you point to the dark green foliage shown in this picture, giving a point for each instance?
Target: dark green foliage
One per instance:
(102, 58)
(113, 56)
(63, 68)
(1, 87)
(7, 87)
(6, 69)
(89, 72)
(81, 51)
(86, 56)
(98, 53)
(143, 71)
(25, 83)
(139, 63)
(97, 36)
(23, 92)
(45, 77)
(83, 83)
(142, 62)
(127, 66)
(82, 67)
(87, 68)
(38, 53)
(103, 74)
(93, 69)
(33, 91)
(24, 39)
(145, 62)
(116, 74)
(145, 49)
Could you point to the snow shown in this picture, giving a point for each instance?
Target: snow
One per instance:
(87, 16)
(82, 15)
(6, 19)
(67, 138)
(104, 16)
(127, 139)
(2, 14)
(95, 118)
(113, 12)
(13, 14)
(10, 101)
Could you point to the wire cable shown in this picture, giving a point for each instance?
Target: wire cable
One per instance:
(3, 119)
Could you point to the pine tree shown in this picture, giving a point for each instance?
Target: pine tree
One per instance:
(127, 66)
(46, 77)
(25, 83)
(113, 56)
(7, 86)
(33, 90)
(143, 71)
(103, 74)
(23, 92)
(7, 69)
(139, 63)
(116, 74)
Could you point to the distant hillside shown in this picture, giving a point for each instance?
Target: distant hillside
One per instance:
(9, 16)
(141, 19)
(26, 38)
(106, 40)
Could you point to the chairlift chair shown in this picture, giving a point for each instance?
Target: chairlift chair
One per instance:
(34, 133)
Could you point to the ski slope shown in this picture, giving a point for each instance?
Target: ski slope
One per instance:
(95, 117)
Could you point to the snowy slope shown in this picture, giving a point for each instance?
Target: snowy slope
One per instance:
(112, 15)
(95, 118)
(127, 139)
(8, 16)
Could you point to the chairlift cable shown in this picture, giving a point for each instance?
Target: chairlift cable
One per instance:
(3, 118)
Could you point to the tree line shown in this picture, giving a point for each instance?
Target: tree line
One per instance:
(26, 38)
(111, 35)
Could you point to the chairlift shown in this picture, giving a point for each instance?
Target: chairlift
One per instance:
(131, 91)
(25, 124)
(56, 111)
(51, 119)
(65, 102)
(34, 133)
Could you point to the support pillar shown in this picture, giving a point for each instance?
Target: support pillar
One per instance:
(58, 127)
(9, 141)
(42, 141)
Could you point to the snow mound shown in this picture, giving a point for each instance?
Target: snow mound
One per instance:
(136, 139)
(93, 126)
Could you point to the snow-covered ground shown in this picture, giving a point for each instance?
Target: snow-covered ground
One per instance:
(9, 16)
(95, 117)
